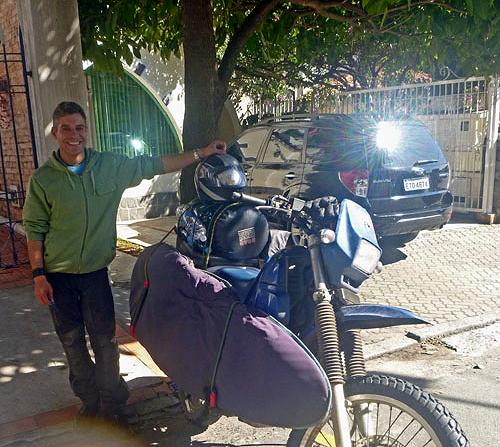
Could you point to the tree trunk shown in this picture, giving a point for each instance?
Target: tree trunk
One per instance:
(201, 81)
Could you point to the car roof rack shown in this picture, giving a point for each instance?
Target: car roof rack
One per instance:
(298, 116)
(325, 116)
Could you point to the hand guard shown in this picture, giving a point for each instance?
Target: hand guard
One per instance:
(324, 211)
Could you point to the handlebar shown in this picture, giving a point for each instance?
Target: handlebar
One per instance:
(308, 218)
(239, 196)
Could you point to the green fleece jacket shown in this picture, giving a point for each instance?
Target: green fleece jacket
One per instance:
(75, 215)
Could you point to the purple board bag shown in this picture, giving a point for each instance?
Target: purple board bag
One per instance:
(264, 374)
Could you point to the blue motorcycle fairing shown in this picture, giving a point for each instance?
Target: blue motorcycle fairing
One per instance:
(353, 225)
(241, 278)
(269, 292)
(371, 316)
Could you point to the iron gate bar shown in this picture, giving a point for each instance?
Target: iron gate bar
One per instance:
(5, 193)
(14, 126)
(9, 221)
(27, 73)
(9, 58)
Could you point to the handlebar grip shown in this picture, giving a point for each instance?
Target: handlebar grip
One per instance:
(239, 196)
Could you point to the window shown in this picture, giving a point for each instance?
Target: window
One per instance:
(246, 148)
(285, 145)
(416, 145)
(342, 145)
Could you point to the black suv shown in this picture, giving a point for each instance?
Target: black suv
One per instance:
(394, 168)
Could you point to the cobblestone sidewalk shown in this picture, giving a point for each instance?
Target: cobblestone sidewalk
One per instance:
(442, 275)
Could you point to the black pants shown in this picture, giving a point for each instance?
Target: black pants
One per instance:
(85, 301)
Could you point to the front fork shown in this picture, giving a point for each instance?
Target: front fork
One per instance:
(328, 340)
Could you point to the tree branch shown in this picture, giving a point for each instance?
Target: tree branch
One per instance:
(240, 37)
(323, 9)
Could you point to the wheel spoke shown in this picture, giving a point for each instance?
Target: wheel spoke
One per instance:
(415, 435)
(391, 424)
(394, 434)
(402, 431)
(378, 416)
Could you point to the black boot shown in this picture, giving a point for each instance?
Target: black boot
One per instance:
(88, 411)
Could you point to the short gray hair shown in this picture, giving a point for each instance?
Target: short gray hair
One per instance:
(67, 108)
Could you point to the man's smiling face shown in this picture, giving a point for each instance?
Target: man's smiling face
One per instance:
(70, 131)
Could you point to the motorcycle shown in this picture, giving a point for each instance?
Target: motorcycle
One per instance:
(338, 254)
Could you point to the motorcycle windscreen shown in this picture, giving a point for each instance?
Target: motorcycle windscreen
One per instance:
(264, 375)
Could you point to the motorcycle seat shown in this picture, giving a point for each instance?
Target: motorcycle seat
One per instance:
(241, 278)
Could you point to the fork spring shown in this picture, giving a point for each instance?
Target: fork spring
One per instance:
(329, 342)
(353, 354)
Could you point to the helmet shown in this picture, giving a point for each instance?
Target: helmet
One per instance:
(218, 233)
(217, 177)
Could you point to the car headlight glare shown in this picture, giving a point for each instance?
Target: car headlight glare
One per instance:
(366, 257)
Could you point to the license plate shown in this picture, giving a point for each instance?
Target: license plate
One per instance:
(414, 184)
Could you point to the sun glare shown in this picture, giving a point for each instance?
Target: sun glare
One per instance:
(388, 136)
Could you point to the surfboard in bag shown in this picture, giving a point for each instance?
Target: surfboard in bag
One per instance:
(215, 348)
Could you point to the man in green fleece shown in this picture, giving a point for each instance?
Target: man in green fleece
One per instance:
(70, 221)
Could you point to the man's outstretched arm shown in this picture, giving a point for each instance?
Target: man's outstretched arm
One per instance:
(172, 163)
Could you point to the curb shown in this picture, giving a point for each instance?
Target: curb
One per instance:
(439, 330)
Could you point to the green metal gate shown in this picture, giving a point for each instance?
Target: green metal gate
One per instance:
(128, 118)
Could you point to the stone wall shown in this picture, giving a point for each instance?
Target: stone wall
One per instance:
(148, 206)
(17, 160)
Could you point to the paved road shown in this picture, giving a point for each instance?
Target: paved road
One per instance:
(464, 375)
(442, 276)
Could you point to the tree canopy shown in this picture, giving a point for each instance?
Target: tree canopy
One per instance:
(271, 44)
(305, 40)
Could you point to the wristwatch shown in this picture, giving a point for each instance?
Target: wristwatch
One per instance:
(40, 271)
(196, 155)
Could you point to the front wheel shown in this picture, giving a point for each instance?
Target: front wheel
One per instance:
(385, 411)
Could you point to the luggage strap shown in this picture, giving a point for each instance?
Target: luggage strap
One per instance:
(212, 231)
(212, 397)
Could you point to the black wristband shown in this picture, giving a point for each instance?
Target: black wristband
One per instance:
(40, 271)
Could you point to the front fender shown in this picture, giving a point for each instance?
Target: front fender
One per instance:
(370, 316)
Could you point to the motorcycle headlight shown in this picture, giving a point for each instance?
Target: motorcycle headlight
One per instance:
(327, 236)
(366, 257)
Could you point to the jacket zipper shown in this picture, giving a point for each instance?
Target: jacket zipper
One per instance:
(86, 224)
